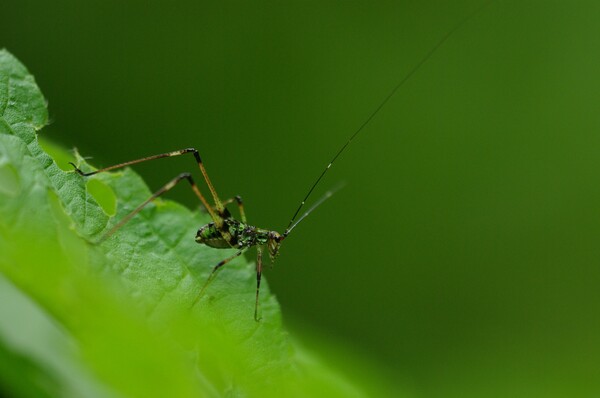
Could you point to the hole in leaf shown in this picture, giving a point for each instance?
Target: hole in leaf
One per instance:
(104, 195)
(57, 153)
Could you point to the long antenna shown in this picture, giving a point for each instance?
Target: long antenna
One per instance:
(381, 105)
(318, 203)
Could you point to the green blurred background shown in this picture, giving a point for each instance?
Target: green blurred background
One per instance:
(463, 252)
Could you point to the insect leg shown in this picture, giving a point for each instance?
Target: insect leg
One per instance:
(218, 205)
(136, 161)
(240, 204)
(168, 186)
(214, 273)
(228, 201)
(258, 275)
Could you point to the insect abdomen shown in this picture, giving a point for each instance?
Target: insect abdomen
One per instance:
(210, 236)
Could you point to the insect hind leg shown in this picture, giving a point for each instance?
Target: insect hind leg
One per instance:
(216, 216)
(240, 204)
(165, 188)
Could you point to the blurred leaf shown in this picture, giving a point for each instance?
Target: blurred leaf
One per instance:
(124, 307)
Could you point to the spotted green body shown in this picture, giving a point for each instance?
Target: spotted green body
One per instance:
(242, 234)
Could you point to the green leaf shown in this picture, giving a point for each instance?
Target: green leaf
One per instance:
(116, 319)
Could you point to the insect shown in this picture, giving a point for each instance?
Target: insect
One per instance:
(225, 231)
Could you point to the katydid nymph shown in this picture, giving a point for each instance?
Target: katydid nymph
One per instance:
(227, 232)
